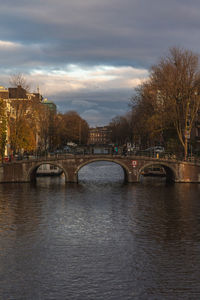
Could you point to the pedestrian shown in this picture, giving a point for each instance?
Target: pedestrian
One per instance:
(124, 150)
(116, 150)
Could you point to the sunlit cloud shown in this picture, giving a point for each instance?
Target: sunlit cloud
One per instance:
(98, 93)
(76, 78)
(7, 45)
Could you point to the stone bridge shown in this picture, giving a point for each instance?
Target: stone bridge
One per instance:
(25, 170)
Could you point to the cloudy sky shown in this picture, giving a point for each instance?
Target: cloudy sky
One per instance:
(89, 55)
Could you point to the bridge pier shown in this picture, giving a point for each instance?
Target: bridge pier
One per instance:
(132, 176)
(188, 172)
(69, 169)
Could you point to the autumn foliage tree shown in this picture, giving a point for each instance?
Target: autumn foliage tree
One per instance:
(21, 116)
(22, 124)
(70, 127)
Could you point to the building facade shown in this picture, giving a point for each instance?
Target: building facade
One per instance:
(99, 136)
(17, 101)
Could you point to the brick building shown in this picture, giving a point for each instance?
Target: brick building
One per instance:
(99, 136)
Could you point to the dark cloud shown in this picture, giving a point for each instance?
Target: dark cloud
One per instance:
(90, 31)
(97, 107)
(49, 35)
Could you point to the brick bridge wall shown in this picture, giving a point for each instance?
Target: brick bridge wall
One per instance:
(25, 171)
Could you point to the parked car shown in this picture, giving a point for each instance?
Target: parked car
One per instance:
(58, 151)
(66, 149)
(156, 149)
(159, 149)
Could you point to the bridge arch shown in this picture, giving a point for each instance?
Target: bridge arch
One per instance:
(171, 173)
(114, 161)
(31, 174)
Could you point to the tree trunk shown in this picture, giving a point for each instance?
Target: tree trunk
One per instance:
(186, 149)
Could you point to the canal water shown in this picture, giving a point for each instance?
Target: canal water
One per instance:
(101, 239)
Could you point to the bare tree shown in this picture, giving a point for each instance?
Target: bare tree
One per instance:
(121, 131)
(177, 80)
(147, 116)
(173, 91)
(46, 127)
(19, 79)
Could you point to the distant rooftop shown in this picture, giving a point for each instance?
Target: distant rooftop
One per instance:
(50, 104)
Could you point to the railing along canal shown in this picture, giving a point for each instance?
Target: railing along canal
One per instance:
(140, 154)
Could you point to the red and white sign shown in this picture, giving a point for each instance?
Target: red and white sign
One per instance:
(134, 163)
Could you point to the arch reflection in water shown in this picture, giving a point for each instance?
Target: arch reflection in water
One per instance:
(48, 170)
(101, 171)
(158, 171)
(48, 175)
